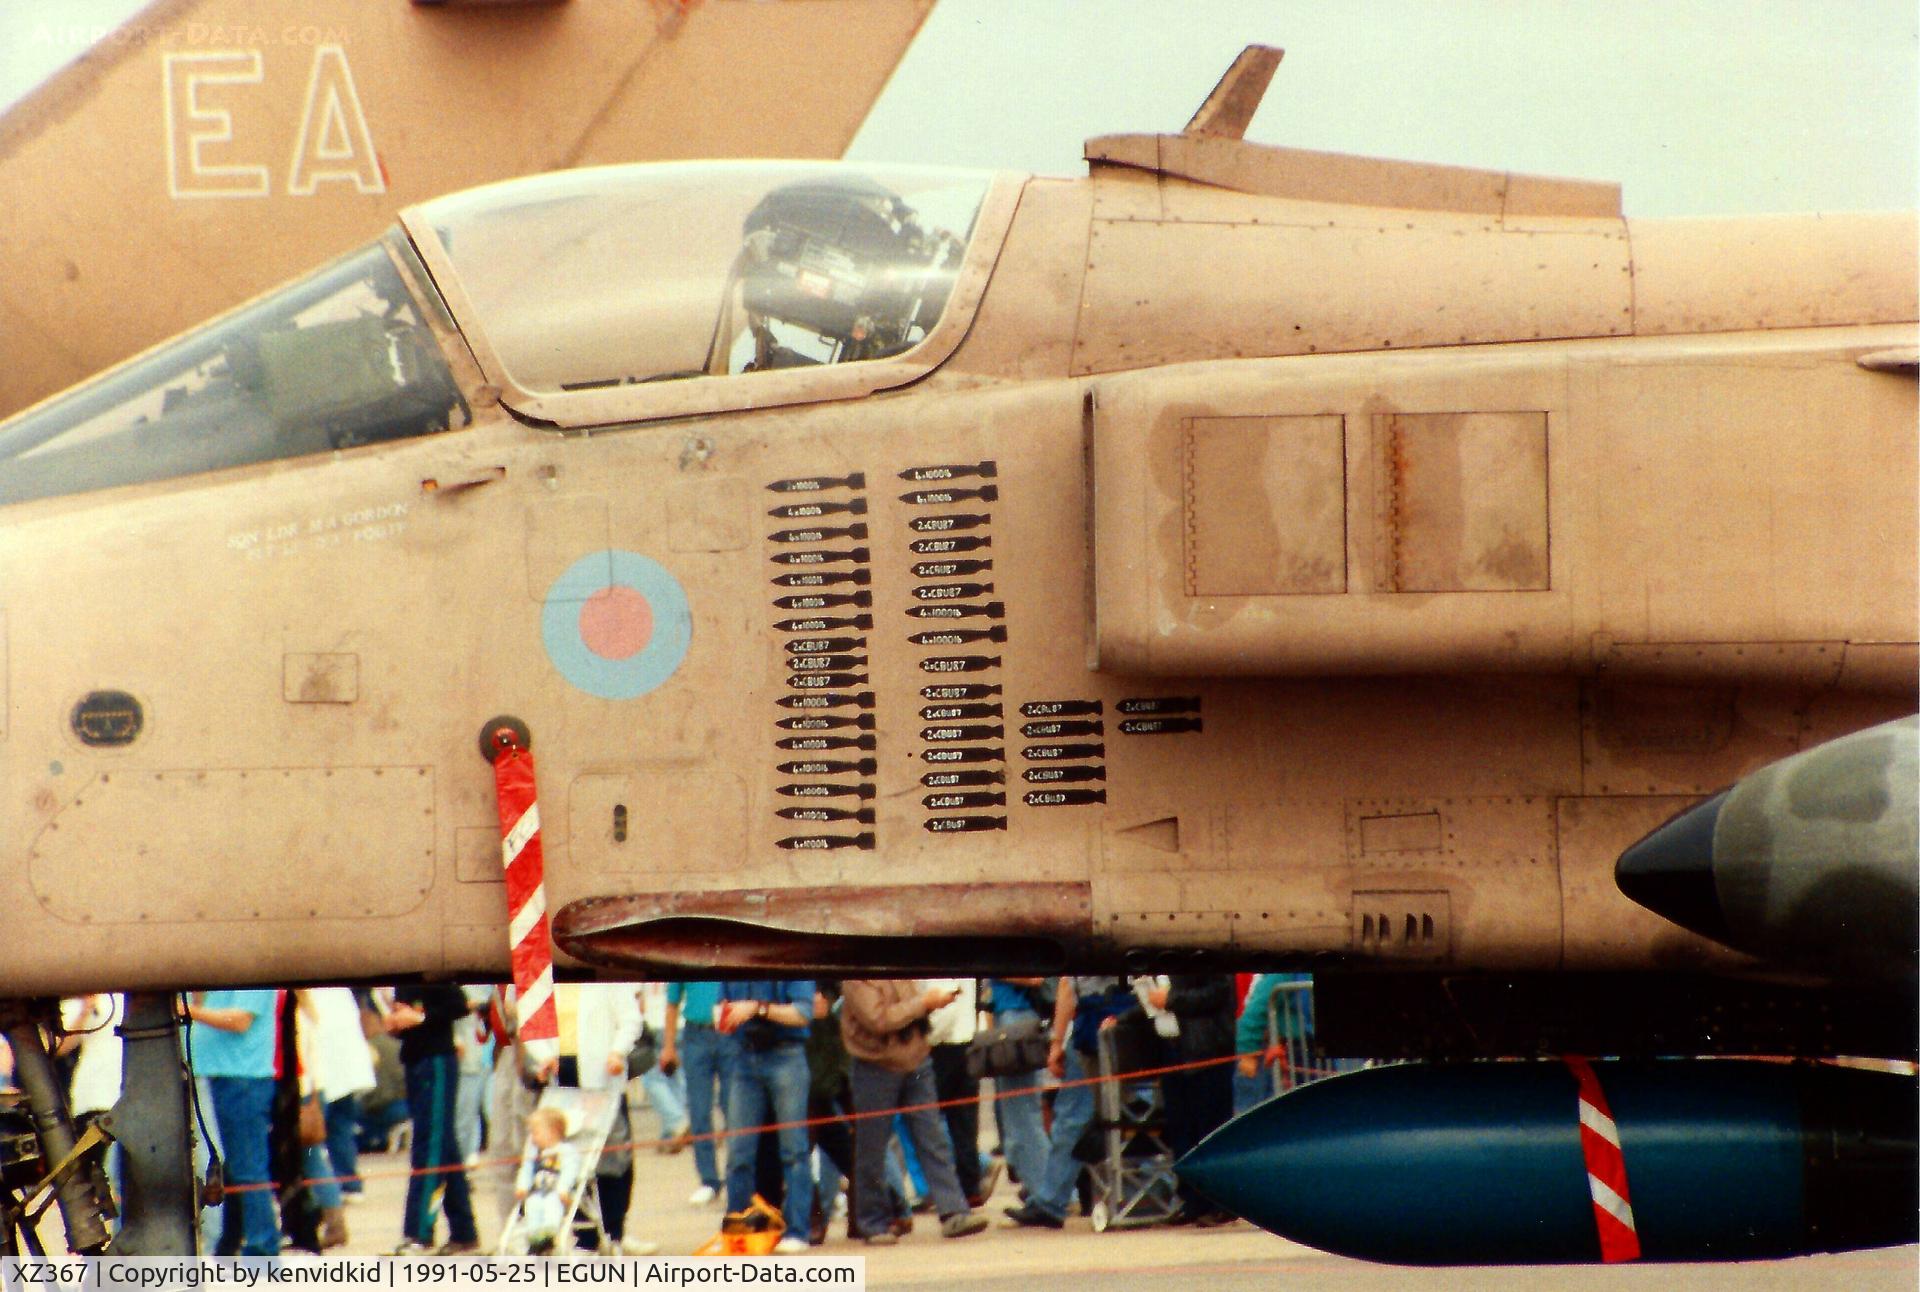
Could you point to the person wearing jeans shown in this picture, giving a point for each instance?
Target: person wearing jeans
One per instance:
(769, 1021)
(1082, 1005)
(322, 1182)
(423, 1018)
(473, 1045)
(691, 1042)
(667, 1096)
(950, 1030)
(884, 1024)
(335, 1055)
(233, 1050)
(1023, 1132)
(343, 1146)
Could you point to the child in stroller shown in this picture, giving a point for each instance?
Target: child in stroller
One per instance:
(549, 1179)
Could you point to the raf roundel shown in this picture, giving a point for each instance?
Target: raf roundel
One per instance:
(616, 624)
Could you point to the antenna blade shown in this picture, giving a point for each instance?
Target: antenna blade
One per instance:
(1231, 106)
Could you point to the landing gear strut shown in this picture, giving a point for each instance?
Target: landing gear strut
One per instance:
(70, 1172)
(43, 1160)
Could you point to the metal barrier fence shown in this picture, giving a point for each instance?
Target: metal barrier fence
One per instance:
(1296, 1060)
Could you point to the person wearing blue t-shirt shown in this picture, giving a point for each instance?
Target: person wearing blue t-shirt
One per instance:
(232, 1040)
(769, 1021)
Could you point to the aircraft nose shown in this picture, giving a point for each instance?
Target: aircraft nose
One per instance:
(1670, 871)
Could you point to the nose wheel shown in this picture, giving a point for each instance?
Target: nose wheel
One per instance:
(153, 1122)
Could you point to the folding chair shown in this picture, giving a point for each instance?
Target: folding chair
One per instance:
(1134, 1182)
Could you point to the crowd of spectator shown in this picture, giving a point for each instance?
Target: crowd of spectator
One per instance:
(822, 1099)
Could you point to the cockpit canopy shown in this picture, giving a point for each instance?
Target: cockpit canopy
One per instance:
(590, 280)
(340, 358)
(589, 297)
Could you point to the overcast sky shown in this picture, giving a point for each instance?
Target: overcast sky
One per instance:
(1693, 105)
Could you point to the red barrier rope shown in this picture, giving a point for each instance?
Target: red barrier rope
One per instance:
(730, 1132)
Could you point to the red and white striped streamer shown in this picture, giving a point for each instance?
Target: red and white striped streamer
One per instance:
(526, 872)
(1606, 1168)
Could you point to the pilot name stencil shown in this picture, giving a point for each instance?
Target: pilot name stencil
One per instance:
(317, 533)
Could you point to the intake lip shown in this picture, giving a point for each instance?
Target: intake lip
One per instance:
(909, 930)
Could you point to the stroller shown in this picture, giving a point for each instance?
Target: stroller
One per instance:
(590, 1118)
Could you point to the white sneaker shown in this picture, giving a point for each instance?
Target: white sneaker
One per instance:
(791, 1245)
(635, 1247)
(703, 1195)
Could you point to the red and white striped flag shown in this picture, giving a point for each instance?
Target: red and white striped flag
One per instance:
(1606, 1168)
(526, 873)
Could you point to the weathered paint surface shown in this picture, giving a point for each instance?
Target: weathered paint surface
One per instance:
(1260, 637)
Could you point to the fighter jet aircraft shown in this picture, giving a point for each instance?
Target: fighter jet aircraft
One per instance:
(1239, 555)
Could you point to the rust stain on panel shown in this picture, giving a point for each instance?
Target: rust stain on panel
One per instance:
(1466, 501)
(320, 678)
